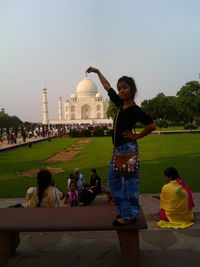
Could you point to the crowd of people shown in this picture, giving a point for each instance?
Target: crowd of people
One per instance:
(78, 193)
(176, 200)
(11, 138)
(51, 131)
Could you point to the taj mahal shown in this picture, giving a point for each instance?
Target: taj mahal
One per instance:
(85, 105)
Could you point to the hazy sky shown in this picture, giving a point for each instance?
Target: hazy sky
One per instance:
(52, 42)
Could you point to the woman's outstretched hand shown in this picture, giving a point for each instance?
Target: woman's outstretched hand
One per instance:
(91, 69)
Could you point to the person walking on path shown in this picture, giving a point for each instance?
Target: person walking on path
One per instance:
(124, 167)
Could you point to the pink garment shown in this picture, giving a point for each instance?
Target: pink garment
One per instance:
(163, 215)
(188, 190)
(73, 196)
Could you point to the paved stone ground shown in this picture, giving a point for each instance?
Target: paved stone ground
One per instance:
(20, 142)
(158, 247)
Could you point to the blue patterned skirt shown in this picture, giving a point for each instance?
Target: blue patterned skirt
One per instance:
(125, 189)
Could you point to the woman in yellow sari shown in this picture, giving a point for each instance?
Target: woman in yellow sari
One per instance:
(176, 202)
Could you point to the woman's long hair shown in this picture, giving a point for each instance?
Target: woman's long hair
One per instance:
(44, 178)
(172, 173)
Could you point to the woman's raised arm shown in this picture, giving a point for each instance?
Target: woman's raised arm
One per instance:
(102, 79)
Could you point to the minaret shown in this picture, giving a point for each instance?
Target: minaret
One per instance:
(60, 108)
(45, 106)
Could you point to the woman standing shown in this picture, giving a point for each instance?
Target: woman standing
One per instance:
(124, 179)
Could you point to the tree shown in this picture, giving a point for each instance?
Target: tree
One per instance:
(188, 101)
(111, 111)
(7, 122)
(184, 107)
(171, 112)
(161, 107)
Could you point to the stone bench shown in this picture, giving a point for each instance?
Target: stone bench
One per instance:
(88, 218)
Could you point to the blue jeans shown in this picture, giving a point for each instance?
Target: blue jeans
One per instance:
(125, 189)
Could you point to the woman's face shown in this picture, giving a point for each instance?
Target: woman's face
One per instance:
(124, 91)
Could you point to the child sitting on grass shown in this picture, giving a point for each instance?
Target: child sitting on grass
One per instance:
(72, 195)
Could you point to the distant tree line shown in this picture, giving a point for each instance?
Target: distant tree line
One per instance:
(182, 109)
(13, 123)
(7, 122)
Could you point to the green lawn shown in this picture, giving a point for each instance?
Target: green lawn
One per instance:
(157, 152)
(170, 128)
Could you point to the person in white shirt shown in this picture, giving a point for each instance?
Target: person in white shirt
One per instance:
(79, 178)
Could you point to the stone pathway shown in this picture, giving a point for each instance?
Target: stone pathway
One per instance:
(6, 146)
(158, 247)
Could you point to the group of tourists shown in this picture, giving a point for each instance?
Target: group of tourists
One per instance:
(11, 138)
(43, 132)
(80, 193)
(46, 194)
(124, 171)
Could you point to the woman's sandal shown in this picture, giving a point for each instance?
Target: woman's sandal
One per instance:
(117, 223)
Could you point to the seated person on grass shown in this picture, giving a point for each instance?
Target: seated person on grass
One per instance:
(45, 194)
(71, 197)
(70, 179)
(86, 196)
(78, 178)
(95, 182)
(176, 202)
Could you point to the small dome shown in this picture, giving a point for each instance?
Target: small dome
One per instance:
(72, 96)
(98, 95)
(86, 87)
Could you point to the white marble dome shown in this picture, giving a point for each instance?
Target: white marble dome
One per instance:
(86, 88)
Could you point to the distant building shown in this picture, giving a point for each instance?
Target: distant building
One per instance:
(86, 105)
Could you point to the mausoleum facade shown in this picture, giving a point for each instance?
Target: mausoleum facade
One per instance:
(85, 105)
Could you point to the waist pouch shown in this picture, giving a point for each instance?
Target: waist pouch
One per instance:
(125, 164)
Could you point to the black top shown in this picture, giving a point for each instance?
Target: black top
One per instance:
(96, 180)
(126, 118)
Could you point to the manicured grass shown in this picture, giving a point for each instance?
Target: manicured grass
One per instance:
(173, 128)
(157, 152)
(12, 185)
(181, 151)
